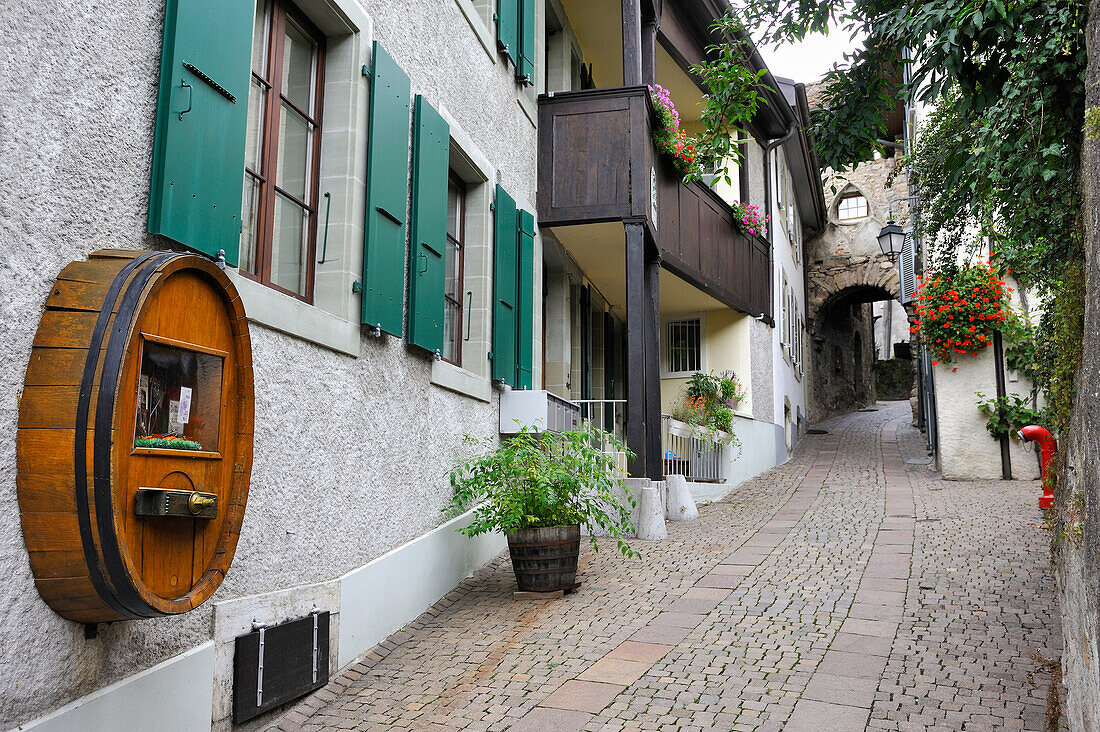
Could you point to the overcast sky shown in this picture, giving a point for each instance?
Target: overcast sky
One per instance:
(808, 61)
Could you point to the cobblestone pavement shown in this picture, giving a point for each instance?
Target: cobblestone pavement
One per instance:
(845, 589)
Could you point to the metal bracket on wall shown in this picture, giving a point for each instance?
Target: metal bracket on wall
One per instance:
(375, 331)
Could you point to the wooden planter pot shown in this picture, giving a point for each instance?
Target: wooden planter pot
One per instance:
(545, 559)
(134, 447)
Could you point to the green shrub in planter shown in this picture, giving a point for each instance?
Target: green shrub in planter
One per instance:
(537, 480)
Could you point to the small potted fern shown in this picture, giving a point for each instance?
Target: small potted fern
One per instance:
(539, 488)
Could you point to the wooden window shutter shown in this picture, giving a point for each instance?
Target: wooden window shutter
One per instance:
(508, 29)
(387, 195)
(907, 271)
(202, 113)
(525, 54)
(525, 315)
(505, 288)
(431, 166)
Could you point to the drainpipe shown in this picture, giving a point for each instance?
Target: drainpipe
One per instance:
(768, 148)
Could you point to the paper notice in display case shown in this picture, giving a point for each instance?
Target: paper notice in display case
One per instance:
(175, 427)
(185, 405)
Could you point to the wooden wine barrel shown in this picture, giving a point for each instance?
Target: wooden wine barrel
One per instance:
(545, 559)
(134, 448)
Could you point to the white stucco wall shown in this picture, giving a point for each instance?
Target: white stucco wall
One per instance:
(966, 449)
(351, 451)
(789, 383)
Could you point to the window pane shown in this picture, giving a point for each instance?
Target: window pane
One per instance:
(684, 352)
(298, 55)
(179, 399)
(260, 33)
(249, 223)
(451, 330)
(453, 196)
(453, 267)
(253, 144)
(295, 158)
(288, 245)
(852, 207)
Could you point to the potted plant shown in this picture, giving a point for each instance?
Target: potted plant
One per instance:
(539, 488)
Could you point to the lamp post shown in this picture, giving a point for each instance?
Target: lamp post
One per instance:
(891, 240)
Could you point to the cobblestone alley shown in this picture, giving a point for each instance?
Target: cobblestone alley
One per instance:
(848, 589)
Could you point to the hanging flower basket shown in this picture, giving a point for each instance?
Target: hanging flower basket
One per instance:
(958, 308)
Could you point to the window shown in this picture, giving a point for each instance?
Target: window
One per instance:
(852, 206)
(452, 289)
(282, 152)
(684, 346)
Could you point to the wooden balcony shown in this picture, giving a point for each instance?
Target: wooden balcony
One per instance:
(597, 163)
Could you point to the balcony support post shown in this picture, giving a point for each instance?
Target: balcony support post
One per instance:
(632, 42)
(635, 365)
(651, 21)
(653, 452)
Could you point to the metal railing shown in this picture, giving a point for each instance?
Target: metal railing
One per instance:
(607, 414)
(610, 416)
(695, 457)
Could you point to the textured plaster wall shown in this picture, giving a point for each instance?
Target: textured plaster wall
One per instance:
(350, 453)
(763, 376)
(966, 449)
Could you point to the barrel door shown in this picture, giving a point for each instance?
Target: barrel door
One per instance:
(135, 436)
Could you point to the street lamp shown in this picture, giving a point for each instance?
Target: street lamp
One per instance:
(891, 240)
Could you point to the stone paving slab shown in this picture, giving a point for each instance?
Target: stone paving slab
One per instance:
(845, 589)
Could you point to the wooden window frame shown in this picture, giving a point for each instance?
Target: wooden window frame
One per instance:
(460, 184)
(267, 189)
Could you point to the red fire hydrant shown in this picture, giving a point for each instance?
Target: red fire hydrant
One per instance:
(1048, 449)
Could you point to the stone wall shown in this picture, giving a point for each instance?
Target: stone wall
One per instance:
(846, 271)
(1077, 505)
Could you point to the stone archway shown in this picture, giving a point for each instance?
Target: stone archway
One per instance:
(840, 320)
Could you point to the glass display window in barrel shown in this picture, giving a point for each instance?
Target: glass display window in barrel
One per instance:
(135, 435)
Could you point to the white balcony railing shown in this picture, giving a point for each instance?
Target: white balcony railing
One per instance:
(692, 452)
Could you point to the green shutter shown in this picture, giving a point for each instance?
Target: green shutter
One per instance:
(431, 165)
(202, 114)
(504, 288)
(525, 53)
(508, 29)
(387, 195)
(525, 312)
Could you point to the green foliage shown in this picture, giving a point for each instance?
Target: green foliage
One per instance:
(1058, 343)
(733, 95)
(1020, 348)
(707, 402)
(539, 479)
(167, 442)
(1008, 414)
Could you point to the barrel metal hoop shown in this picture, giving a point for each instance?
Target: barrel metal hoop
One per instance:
(101, 461)
(540, 544)
(80, 454)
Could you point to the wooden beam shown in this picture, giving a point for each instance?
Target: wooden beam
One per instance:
(635, 362)
(632, 42)
(649, 52)
(653, 449)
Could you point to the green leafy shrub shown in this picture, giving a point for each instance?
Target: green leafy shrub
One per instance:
(540, 479)
(1008, 414)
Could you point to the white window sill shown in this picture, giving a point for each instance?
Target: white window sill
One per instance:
(488, 42)
(454, 378)
(292, 316)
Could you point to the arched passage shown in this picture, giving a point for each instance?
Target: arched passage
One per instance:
(843, 337)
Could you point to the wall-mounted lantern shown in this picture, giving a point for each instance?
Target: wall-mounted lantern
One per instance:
(891, 240)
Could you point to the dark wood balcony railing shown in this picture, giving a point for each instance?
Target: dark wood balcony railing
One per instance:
(597, 162)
